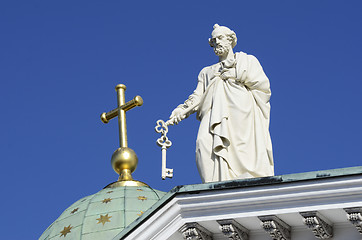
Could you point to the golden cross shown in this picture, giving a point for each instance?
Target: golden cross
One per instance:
(120, 111)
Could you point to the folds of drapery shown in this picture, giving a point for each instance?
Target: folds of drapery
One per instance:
(237, 114)
(233, 139)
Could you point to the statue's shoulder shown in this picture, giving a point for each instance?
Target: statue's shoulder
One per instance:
(244, 56)
(249, 59)
(210, 69)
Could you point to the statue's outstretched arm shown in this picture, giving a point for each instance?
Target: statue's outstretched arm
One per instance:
(190, 106)
(182, 111)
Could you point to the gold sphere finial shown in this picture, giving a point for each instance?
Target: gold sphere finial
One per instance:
(124, 162)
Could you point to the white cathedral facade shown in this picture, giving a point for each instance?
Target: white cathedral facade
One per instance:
(313, 205)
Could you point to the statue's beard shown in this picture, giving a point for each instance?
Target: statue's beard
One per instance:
(220, 50)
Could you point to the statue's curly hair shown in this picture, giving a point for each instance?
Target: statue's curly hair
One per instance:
(230, 34)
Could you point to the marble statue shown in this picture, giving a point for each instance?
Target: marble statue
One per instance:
(232, 103)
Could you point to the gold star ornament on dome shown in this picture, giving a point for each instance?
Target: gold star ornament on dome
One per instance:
(103, 219)
(140, 214)
(65, 231)
(74, 210)
(142, 198)
(107, 200)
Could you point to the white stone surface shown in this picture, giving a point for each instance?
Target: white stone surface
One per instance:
(244, 205)
(232, 102)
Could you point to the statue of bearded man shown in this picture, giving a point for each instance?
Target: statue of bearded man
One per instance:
(232, 102)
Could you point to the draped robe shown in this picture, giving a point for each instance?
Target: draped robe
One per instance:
(232, 103)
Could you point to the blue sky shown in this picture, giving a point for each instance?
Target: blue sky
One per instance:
(60, 62)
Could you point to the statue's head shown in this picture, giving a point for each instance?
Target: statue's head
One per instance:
(222, 39)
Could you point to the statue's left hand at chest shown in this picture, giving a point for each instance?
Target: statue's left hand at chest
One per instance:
(227, 73)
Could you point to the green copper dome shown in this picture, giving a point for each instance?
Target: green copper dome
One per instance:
(105, 214)
(102, 215)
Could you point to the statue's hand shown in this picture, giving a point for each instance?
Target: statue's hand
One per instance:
(176, 116)
(227, 73)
